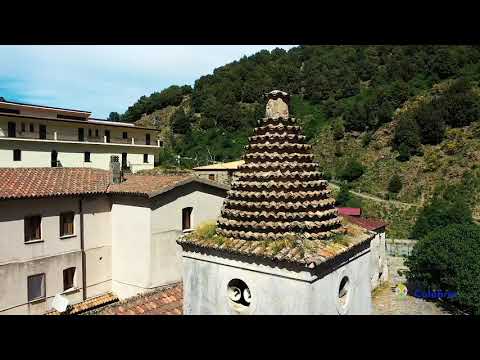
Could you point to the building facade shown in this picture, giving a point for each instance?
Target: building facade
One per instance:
(40, 136)
(223, 173)
(70, 231)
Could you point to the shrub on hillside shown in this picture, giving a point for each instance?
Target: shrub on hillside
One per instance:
(439, 213)
(343, 196)
(395, 184)
(407, 136)
(338, 129)
(351, 171)
(448, 259)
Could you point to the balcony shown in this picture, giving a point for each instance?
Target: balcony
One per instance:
(54, 136)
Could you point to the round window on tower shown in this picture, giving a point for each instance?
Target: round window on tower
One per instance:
(239, 295)
(344, 294)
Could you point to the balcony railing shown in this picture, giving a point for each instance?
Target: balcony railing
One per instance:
(55, 136)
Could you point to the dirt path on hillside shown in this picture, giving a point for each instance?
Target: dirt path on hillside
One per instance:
(377, 199)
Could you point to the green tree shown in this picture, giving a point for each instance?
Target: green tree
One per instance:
(407, 133)
(440, 213)
(395, 184)
(352, 170)
(180, 122)
(338, 129)
(448, 259)
(343, 196)
(114, 116)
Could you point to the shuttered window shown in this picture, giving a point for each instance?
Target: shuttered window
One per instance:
(66, 223)
(32, 228)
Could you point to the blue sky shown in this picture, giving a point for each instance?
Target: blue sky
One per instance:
(101, 78)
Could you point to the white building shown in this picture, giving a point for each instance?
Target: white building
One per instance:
(71, 231)
(42, 136)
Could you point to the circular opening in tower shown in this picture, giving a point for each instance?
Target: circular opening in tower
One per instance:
(344, 292)
(239, 295)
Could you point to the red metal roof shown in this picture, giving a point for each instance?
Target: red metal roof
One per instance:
(367, 223)
(346, 211)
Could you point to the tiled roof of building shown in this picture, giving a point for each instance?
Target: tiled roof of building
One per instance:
(232, 165)
(42, 182)
(17, 183)
(146, 185)
(306, 253)
(165, 301)
(349, 211)
(370, 224)
(153, 185)
(279, 174)
(88, 304)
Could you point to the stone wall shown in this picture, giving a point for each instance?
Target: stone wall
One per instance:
(400, 247)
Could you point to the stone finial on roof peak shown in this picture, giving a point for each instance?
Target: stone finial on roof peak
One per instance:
(277, 104)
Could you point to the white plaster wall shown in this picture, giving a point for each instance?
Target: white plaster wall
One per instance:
(131, 246)
(378, 262)
(98, 245)
(274, 290)
(166, 226)
(19, 260)
(38, 154)
(13, 283)
(12, 213)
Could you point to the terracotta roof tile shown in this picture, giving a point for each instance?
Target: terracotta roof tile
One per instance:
(164, 301)
(42, 182)
(19, 183)
(88, 304)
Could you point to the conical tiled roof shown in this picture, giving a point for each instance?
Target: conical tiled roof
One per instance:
(279, 191)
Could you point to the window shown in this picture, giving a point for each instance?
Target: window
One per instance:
(17, 155)
(89, 132)
(161, 143)
(23, 127)
(125, 135)
(343, 291)
(68, 278)
(36, 287)
(32, 228)
(239, 295)
(43, 132)
(186, 218)
(211, 177)
(12, 129)
(54, 158)
(81, 134)
(31, 127)
(124, 160)
(145, 158)
(147, 139)
(96, 132)
(69, 117)
(66, 223)
(107, 135)
(87, 156)
(9, 111)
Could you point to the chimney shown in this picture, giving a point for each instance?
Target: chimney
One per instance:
(116, 170)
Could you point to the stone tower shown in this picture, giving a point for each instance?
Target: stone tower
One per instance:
(278, 192)
(280, 246)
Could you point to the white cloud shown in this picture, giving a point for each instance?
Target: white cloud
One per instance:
(106, 78)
